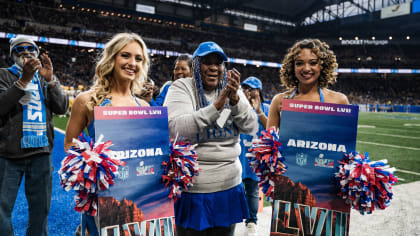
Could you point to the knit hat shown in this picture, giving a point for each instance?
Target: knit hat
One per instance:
(22, 39)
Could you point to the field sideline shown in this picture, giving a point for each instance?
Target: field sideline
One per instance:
(392, 136)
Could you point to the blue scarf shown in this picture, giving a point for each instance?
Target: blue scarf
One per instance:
(34, 122)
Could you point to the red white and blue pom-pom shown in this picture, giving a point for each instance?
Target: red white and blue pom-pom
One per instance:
(181, 167)
(266, 159)
(87, 168)
(366, 185)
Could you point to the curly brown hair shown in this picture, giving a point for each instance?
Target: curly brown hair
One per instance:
(327, 61)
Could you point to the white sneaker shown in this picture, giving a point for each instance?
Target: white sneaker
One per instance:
(251, 229)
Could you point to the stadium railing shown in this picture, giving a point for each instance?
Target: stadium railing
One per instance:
(388, 108)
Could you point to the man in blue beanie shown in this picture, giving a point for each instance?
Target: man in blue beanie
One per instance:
(29, 94)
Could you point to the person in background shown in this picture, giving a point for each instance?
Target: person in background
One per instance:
(149, 92)
(252, 88)
(210, 110)
(119, 74)
(307, 69)
(29, 95)
(182, 69)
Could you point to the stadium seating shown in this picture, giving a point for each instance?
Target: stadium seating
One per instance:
(75, 65)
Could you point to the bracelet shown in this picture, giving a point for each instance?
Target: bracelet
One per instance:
(53, 81)
(259, 114)
(19, 84)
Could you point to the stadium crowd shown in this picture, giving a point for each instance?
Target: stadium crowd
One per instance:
(74, 65)
(209, 102)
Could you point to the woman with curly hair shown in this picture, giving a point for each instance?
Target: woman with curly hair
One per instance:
(307, 69)
(119, 74)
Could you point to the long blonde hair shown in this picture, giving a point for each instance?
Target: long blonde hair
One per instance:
(105, 67)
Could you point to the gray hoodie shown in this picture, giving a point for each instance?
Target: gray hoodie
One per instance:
(218, 148)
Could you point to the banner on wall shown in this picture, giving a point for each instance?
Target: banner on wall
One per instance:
(314, 136)
(416, 6)
(138, 203)
(396, 10)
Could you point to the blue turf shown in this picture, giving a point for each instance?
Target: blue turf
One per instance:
(63, 219)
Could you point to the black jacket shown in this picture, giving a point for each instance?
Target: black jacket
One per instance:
(11, 115)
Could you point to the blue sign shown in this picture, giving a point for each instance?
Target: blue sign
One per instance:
(314, 136)
(138, 203)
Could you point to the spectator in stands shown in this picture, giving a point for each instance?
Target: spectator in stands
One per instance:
(119, 74)
(308, 67)
(252, 87)
(29, 95)
(210, 110)
(182, 69)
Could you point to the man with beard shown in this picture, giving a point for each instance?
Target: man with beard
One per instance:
(29, 94)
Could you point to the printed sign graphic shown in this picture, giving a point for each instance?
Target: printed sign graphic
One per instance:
(314, 136)
(138, 203)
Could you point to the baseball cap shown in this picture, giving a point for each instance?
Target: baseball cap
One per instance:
(207, 48)
(22, 39)
(253, 82)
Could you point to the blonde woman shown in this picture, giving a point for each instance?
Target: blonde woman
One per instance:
(307, 69)
(120, 72)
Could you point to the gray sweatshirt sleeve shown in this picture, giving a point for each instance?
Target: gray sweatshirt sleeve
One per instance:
(184, 120)
(244, 115)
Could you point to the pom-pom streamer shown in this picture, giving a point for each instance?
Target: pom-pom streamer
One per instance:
(180, 169)
(266, 159)
(366, 185)
(87, 168)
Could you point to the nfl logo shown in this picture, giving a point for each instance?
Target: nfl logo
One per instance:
(123, 172)
(301, 159)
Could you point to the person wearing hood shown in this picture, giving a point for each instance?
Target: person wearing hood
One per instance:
(29, 95)
(210, 110)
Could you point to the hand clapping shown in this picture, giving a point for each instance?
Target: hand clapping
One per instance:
(230, 90)
(232, 86)
(46, 70)
(32, 64)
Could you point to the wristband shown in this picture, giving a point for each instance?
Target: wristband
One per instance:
(19, 85)
(53, 81)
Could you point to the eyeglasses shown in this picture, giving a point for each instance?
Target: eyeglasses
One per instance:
(20, 49)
